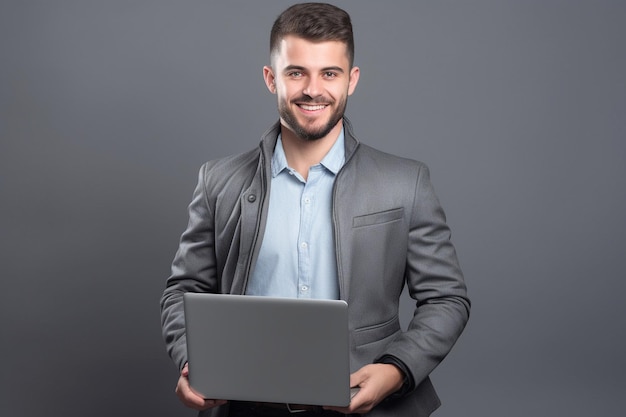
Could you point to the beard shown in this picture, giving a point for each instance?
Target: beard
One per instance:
(311, 133)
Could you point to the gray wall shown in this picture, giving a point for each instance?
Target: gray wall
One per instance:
(108, 108)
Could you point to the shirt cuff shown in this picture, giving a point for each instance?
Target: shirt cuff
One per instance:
(408, 384)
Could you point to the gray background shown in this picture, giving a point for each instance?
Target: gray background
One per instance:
(108, 108)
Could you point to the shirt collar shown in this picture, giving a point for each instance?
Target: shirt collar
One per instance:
(333, 161)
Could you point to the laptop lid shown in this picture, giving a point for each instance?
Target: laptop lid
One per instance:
(268, 349)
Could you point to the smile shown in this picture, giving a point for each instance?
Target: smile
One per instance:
(316, 107)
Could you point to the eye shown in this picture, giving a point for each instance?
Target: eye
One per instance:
(330, 74)
(295, 74)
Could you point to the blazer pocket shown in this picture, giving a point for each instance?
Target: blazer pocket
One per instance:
(377, 332)
(378, 218)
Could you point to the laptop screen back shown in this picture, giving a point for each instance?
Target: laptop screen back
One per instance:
(268, 349)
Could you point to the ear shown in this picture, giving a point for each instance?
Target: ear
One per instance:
(355, 72)
(270, 79)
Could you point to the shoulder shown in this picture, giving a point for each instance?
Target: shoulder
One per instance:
(368, 158)
(374, 174)
(364, 157)
(234, 167)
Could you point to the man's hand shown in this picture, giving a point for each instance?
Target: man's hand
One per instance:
(191, 398)
(376, 382)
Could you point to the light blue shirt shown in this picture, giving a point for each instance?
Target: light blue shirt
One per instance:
(297, 256)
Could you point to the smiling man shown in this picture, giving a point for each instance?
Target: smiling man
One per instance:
(314, 213)
(313, 82)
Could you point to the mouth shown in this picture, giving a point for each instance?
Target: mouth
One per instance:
(312, 107)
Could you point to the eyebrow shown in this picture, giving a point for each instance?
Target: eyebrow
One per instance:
(299, 68)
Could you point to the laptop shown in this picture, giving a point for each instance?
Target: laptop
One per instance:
(268, 349)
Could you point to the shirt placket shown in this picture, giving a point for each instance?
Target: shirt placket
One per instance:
(307, 203)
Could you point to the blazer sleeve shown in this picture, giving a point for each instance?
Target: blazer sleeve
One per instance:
(193, 270)
(435, 282)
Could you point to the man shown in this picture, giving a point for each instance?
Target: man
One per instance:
(314, 213)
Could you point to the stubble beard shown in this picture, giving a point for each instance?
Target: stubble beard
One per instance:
(311, 134)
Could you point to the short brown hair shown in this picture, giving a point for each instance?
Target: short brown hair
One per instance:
(315, 22)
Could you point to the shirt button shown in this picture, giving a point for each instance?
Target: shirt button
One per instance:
(252, 198)
(307, 200)
(303, 245)
(304, 288)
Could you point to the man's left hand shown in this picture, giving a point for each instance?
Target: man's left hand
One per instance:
(375, 382)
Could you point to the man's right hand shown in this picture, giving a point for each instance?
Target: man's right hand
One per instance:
(191, 398)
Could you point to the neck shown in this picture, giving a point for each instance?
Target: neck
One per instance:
(302, 154)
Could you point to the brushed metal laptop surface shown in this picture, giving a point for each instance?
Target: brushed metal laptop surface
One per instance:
(284, 350)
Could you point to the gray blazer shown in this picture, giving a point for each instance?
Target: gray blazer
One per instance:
(390, 230)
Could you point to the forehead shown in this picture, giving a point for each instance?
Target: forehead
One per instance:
(298, 51)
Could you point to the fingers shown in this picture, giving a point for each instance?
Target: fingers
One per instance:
(361, 403)
(189, 397)
(376, 382)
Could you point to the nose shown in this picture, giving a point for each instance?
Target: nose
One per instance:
(313, 87)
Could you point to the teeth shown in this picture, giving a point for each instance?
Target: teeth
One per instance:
(312, 108)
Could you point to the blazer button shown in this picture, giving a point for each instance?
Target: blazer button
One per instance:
(252, 198)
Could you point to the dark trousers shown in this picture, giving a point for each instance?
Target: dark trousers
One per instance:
(253, 409)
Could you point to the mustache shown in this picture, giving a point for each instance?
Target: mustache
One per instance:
(304, 99)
